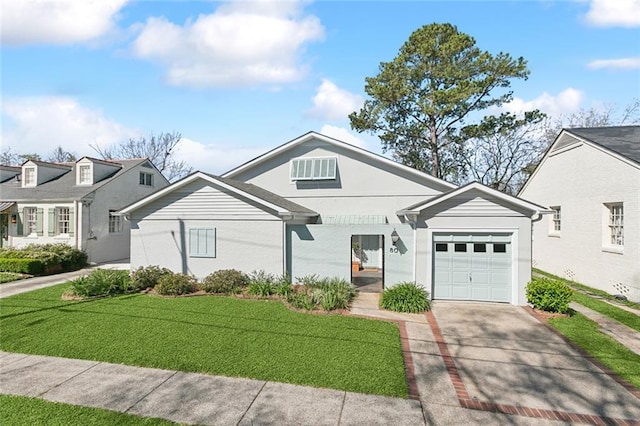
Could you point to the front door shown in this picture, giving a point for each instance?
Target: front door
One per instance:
(367, 262)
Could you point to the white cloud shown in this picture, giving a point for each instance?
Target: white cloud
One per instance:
(608, 13)
(56, 21)
(618, 64)
(567, 101)
(214, 158)
(343, 135)
(40, 124)
(334, 103)
(242, 43)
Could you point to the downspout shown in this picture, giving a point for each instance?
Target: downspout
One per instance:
(77, 221)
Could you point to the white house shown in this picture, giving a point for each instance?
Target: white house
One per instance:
(301, 207)
(74, 203)
(590, 178)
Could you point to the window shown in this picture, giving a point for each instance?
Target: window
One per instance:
(441, 247)
(616, 224)
(460, 247)
(62, 220)
(146, 179)
(313, 168)
(84, 177)
(202, 242)
(30, 220)
(30, 176)
(480, 248)
(499, 248)
(556, 220)
(115, 223)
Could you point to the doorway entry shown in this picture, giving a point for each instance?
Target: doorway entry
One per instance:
(367, 263)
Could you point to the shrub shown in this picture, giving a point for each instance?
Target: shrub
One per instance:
(405, 297)
(176, 284)
(22, 266)
(549, 295)
(226, 281)
(327, 293)
(145, 277)
(300, 300)
(283, 286)
(51, 255)
(101, 282)
(262, 283)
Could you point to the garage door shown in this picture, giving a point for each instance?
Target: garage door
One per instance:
(472, 267)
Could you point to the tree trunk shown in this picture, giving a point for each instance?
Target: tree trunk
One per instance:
(435, 155)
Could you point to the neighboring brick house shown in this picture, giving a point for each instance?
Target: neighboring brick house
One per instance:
(73, 203)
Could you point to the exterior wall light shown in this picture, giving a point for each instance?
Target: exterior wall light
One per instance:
(394, 237)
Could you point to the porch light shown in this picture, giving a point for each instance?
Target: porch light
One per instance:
(394, 237)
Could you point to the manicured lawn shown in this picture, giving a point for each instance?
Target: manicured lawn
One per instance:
(216, 335)
(609, 352)
(6, 277)
(627, 318)
(20, 410)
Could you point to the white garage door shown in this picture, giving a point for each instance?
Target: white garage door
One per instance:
(472, 267)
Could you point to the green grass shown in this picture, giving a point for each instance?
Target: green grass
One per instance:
(584, 332)
(20, 410)
(6, 277)
(260, 339)
(627, 318)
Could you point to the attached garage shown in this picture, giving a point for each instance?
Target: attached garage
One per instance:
(472, 267)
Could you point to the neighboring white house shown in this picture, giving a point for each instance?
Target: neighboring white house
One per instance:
(590, 178)
(74, 203)
(302, 207)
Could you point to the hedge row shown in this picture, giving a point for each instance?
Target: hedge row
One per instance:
(22, 266)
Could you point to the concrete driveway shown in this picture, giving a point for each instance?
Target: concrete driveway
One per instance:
(504, 356)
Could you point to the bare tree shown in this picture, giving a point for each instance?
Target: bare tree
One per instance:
(159, 149)
(59, 155)
(8, 158)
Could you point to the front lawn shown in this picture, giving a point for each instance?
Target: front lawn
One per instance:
(584, 332)
(20, 410)
(627, 318)
(210, 334)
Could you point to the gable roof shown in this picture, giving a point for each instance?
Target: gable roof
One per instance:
(623, 140)
(477, 186)
(61, 188)
(309, 136)
(261, 196)
(64, 166)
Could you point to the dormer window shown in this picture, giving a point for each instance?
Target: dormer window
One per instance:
(313, 168)
(29, 176)
(84, 175)
(146, 179)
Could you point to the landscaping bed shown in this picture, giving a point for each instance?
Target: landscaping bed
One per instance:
(259, 339)
(6, 277)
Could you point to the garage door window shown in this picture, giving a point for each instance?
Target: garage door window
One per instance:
(441, 247)
(460, 248)
(479, 248)
(499, 248)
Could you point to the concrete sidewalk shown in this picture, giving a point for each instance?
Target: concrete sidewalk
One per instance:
(195, 398)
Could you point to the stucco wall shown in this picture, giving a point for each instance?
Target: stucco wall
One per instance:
(241, 245)
(580, 180)
(325, 250)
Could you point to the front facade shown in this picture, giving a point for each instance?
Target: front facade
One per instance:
(74, 203)
(346, 206)
(590, 178)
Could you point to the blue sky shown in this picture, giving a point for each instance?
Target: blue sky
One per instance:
(238, 78)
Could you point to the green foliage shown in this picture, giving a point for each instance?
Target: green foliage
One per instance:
(627, 318)
(549, 295)
(22, 410)
(50, 255)
(101, 282)
(147, 277)
(22, 266)
(326, 293)
(301, 300)
(261, 283)
(6, 277)
(406, 297)
(176, 285)
(224, 281)
(227, 336)
(283, 286)
(419, 100)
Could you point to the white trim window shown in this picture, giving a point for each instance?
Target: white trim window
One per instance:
(616, 224)
(84, 175)
(557, 219)
(63, 220)
(202, 242)
(29, 176)
(314, 168)
(146, 179)
(30, 220)
(115, 223)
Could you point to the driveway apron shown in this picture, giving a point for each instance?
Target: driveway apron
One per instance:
(505, 356)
